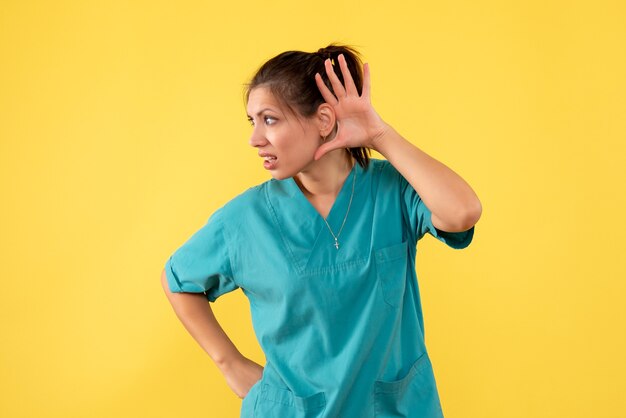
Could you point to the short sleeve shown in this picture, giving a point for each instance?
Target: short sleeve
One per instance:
(418, 218)
(202, 264)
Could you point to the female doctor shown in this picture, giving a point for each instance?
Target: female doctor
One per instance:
(325, 250)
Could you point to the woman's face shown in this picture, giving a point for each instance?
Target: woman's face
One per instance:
(290, 141)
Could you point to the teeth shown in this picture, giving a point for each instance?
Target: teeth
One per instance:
(269, 158)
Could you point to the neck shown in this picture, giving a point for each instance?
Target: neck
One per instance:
(325, 177)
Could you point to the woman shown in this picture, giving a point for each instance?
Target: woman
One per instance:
(325, 250)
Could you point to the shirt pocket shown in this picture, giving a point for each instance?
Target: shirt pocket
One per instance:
(391, 271)
(414, 394)
(247, 403)
(280, 403)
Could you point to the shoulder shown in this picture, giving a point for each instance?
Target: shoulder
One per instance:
(385, 172)
(378, 165)
(248, 200)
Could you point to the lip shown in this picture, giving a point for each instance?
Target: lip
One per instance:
(263, 154)
(268, 164)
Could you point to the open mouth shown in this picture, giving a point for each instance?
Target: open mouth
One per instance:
(270, 162)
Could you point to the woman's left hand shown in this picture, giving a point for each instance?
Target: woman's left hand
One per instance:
(358, 124)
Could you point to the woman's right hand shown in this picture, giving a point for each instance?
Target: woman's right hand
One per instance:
(241, 374)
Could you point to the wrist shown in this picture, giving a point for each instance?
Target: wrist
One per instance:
(379, 136)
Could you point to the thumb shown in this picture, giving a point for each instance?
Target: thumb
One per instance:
(327, 147)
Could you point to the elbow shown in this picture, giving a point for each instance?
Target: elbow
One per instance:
(472, 215)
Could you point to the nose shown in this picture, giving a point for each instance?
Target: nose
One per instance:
(257, 138)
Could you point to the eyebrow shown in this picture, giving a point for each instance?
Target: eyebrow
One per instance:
(259, 112)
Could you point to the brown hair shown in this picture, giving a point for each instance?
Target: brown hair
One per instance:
(290, 77)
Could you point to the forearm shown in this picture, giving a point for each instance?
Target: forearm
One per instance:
(194, 311)
(445, 193)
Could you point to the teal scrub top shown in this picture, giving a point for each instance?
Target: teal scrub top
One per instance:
(342, 329)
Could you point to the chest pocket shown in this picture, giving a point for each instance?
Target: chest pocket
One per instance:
(275, 402)
(391, 271)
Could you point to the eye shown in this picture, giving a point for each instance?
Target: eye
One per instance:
(251, 121)
(269, 120)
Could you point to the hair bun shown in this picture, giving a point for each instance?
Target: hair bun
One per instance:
(324, 53)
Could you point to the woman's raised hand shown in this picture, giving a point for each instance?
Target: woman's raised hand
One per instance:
(358, 123)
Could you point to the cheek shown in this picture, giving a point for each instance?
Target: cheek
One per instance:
(303, 149)
(309, 141)
(295, 143)
(298, 145)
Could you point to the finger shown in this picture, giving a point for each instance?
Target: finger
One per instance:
(326, 93)
(348, 82)
(334, 80)
(366, 81)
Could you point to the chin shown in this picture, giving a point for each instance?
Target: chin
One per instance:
(279, 175)
(282, 173)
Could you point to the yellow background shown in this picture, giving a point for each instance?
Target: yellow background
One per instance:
(123, 128)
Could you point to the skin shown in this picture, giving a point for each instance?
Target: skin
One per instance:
(295, 139)
(320, 168)
(454, 205)
(197, 316)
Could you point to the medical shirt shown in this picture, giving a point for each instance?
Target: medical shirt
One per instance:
(341, 329)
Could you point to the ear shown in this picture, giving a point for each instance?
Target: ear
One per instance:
(326, 119)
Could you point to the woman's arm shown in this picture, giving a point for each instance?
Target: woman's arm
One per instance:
(194, 311)
(454, 205)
